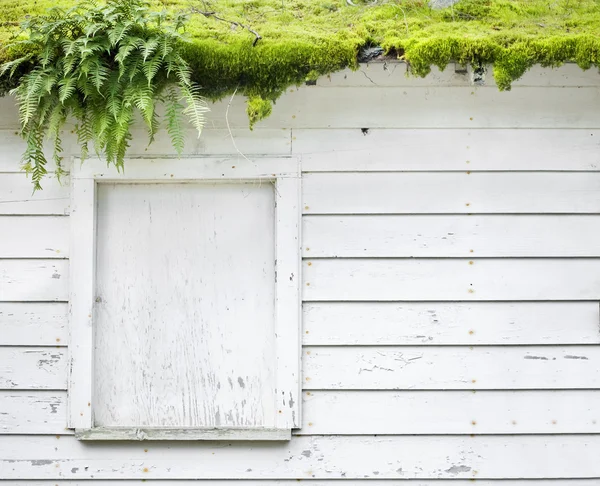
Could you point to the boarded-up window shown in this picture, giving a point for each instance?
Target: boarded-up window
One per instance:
(192, 335)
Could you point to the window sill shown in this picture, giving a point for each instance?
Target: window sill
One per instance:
(229, 433)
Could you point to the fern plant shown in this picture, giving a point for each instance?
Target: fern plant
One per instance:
(99, 64)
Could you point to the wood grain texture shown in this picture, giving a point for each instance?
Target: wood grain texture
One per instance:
(451, 236)
(184, 320)
(16, 196)
(348, 150)
(25, 368)
(451, 368)
(34, 280)
(33, 324)
(451, 279)
(26, 412)
(447, 193)
(34, 237)
(438, 323)
(462, 412)
(317, 457)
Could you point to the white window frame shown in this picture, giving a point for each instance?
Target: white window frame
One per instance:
(285, 175)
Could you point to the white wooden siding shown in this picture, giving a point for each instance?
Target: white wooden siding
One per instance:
(16, 196)
(441, 323)
(24, 368)
(313, 482)
(463, 412)
(375, 412)
(452, 280)
(451, 192)
(34, 237)
(407, 367)
(308, 457)
(451, 236)
(456, 149)
(27, 412)
(212, 142)
(34, 280)
(412, 107)
(33, 324)
(451, 368)
(493, 387)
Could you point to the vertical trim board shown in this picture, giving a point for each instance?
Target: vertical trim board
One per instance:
(83, 257)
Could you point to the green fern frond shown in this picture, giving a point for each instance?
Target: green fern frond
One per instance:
(98, 63)
(196, 108)
(173, 112)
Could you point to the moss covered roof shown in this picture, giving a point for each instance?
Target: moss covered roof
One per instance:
(301, 39)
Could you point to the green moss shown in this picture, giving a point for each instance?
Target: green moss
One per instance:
(302, 39)
(258, 109)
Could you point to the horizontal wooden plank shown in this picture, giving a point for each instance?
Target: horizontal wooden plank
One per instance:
(183, 434)
(17, 197)
(419, 107)
(24, 368)
(372, 412)
(451, 279)
(318, 457)
(188, 169)
(424, 107)
(451, 236)
(40, 412)
(451, 412)
(211, 142)
(436, 323)
(313, 482)
(33, 324)
(451, 192)
(396, 73)
(451, 368)
(34, 237)
(350, 150)
(34, 280)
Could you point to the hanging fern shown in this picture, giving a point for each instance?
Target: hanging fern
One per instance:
(99, 64)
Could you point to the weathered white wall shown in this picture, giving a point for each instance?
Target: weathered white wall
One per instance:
(451, 286)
